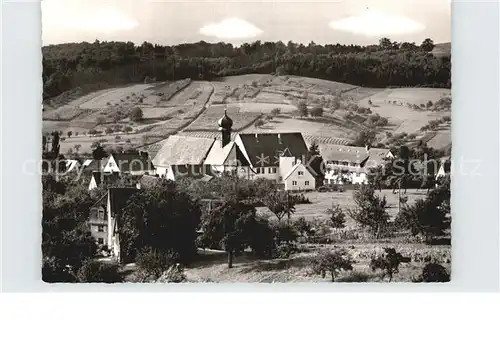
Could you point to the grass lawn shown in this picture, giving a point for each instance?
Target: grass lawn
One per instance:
(322, 201)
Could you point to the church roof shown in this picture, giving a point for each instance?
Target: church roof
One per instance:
(264, 149)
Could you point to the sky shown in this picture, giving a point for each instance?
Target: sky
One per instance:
(171, 22)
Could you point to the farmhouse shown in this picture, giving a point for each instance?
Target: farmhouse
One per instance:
(299, 178)
(183, 156)
(133, 163)
(350, 164)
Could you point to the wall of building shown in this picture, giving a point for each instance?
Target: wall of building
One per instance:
(351, 177)
(100, 233)
(111, 166)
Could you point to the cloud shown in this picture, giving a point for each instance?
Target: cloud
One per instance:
(374, 24)
(231, 28)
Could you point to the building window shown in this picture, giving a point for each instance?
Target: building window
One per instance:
(301, 173)
(269, 170)
(263, 170)
(100, 241)
(307, 182)
(100, 228)
(257, 170)
(294, 182)
(335, 162)
(100, 214)
(345, 163)
(354, 164)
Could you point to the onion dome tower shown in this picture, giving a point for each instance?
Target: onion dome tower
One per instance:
(225, 126)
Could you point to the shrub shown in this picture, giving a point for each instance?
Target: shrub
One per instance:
(118, 137)
(429, 104)
(317, 111)
(174, 274)
(331, 262)
(128, 129)
(356, 277)
(275, 111)
(337, 217)
(153, 263)
(109, 130)
(388, 262)
(259, 123)
(101, 120)
(433, 273)
(302, 107)
(99, 272)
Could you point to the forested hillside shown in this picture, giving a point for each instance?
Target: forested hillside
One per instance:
(93, 65)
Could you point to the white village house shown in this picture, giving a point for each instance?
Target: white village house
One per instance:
(133, 163)
(103, 221)
(351, 164)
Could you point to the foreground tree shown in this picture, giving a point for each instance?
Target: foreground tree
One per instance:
(230, 227)
(280, 203)
(161, 217)
(66, 240)
(388, 262)
(332, 262)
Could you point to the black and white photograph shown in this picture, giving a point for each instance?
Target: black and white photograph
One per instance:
(246, 142)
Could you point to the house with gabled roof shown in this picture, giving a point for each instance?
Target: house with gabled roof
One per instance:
(101, 178)
(299, 178)
(351, 164)
(183, 156)
(104, 217)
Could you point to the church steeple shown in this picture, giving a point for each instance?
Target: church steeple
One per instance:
(225, 126)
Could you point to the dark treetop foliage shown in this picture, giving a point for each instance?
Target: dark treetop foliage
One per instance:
(316, 164)
(66, 240)
(161, 217)
(72, 65)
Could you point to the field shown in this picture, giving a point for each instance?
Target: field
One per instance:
(213, 266)
(320, 202)
(195, 106)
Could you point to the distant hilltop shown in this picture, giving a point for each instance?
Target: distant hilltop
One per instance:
(442, 49)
